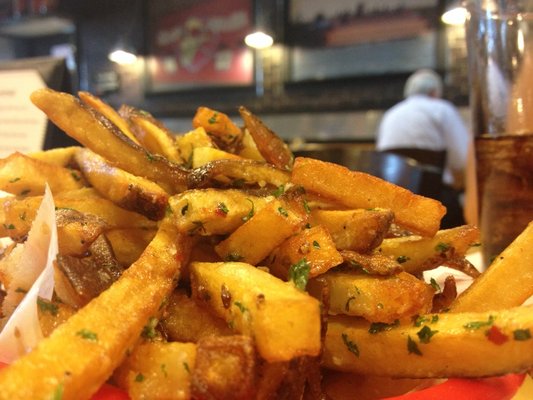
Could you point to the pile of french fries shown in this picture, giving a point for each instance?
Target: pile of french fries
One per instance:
(214, 265)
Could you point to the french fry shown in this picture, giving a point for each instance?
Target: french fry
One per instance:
(417, 254)
(81, 354)
(189, 141)
(358, 230)
(99, 134)
(437, 345)
(314, 244)
(204, 155)
(356, 189)
(109, 112)
(158, 370)
(129, 243)
(219, 126)
(260, 234)
(151, 133)
(22, 175)
(184, 320)
(377, 299)
(508, 281)
(284, 321)
(213, 212)
(61, 156)
(249, 148)
(77, 231)
(126, 190)
(52, 314)
(372, 264)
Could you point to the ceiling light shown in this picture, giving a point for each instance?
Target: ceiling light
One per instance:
(454, 16)
(258, 40)
(122, 57)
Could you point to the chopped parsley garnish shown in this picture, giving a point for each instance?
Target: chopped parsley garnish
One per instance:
(186, 366)
(425, 334)
(299, 273)
(442, 247)
(434, 284)
(58, 392)
(306, 207)
(279, 191)
(87, 335)
(45, 306)
(316, 245)
(242, 308)
(412, 347)
(25, 192)
(402, 259)
(9, 226)
(475, 325)
(139, 377)
(213, 119)
(149, 331)
(283, 212)
(377, 327)
(250, 213)
(522, 334)
(222, 209)
(422, 319)
(14, 180)
(75, 176)
(150, 157)
(234, 257)
(352, 347)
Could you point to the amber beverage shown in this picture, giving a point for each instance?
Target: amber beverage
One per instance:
(505, 189)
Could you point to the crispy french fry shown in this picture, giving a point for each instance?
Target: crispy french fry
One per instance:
(437, 345)
(417, 254)
(358, 230)
(204, 155)
(508, 281)
(109, 112)
(81, 354)
(284, 321)
(52, 314)
(372, 264)
(356, 189)
(249, 148)
(313, 244)
(99, 134)
(126, 190)
(76, 231)
(158, 370)
(61, 156)
(260, 234)
(184, 320)
(377, 299)
(22, 175)
(218, 125)
(129, 243)
(214, 212)
(189, 141)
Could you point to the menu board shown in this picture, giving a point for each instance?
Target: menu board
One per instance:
(22, 125)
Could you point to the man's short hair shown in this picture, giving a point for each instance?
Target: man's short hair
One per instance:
(423, 81)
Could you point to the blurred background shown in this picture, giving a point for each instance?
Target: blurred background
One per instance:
(332, 70)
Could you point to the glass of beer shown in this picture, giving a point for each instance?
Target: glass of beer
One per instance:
(500, 56)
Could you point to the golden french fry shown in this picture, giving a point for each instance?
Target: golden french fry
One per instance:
(81, 354)
(99, 134)
(508, 281)
(109, 112)
(22, 175)
(377, 299)
(260, 234)
(61, 156)
(314, 244)
(189, 141)
(372, 264)
(356, 189)
(417, 254)
(284, 321)
(129, 243)
(249, 148)
(358, 230)
(77, 231)
(158, 370)
(219, 126)
(126, 190)
(204, 155)
(436, 345)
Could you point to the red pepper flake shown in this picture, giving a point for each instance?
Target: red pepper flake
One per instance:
(496, 336)
(221, 210)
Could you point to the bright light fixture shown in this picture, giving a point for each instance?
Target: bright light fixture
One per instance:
(122, 57)
(454, 16)
(258, 40)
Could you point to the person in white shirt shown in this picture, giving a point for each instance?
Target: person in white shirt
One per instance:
(423, 120)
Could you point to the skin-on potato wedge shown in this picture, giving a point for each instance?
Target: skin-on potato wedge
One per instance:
(151, 133)
(437, 345)
(230, 172)
(81, 354)
(184, 320)
(219, 126)
(214, 212)
(225, 368)
(259, 235)
(273, 149)
(508, 281)
(126, 190)
(158, 370)
(77, 231)
(372, 264)
(22, 175)
(284, 321)
(356, 189)
(313, 244)
(109, 112)
(377, 299)
(95, 131)
(358, 230)
(417, 254)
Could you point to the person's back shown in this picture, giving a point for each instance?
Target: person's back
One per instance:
(425, 121)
